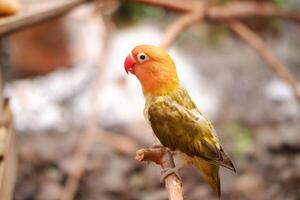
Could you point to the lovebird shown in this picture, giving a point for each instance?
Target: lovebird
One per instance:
(175, 120)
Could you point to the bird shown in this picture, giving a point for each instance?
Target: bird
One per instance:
(173, 116)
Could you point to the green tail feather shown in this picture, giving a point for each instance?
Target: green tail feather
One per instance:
(210, 173)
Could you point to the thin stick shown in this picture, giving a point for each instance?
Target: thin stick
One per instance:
(179, 25)
(179, 5)
(274, 64)
(163, 157)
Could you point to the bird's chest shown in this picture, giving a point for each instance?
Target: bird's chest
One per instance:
(157, 121)
(148, 104)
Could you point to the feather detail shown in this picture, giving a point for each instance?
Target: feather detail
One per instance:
(210, 173)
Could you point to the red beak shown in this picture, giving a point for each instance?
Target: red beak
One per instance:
(129, 64)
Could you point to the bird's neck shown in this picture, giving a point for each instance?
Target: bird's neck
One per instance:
(158, 79)
(161, 88)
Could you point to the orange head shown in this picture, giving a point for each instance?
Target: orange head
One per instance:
(154, 68)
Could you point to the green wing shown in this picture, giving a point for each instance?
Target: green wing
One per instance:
(180, 126)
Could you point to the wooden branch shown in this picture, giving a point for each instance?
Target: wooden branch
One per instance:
(8, 152)
(232, 10)
(180, 25)
(238, 10)
(163, 157)
(35, 12)
(39, 11)
(178, 5)
(274, 64)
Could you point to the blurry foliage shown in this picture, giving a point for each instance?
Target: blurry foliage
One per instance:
(131, 13)
(279, 2)
(217, 33)
(212, 35)
(240, 137)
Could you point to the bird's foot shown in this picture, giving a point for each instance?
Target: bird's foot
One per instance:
(168, 171)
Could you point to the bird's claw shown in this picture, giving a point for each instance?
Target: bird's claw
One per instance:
(168, 171)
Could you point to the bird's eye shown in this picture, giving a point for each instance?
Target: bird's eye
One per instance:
(142, 57)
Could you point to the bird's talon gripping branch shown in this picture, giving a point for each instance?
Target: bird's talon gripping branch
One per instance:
(168, 171)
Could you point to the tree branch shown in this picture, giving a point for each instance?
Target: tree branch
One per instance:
(179, 5)
(163, 157)
(8, 146)
(180, 25)
(239, 10)
(274, 64)
(232, 10)
(38, 11)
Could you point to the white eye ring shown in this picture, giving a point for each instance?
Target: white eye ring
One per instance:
(142, 57)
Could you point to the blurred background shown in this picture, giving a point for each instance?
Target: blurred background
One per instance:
(79, 118)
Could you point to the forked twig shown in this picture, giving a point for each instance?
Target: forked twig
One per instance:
(163, 157)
